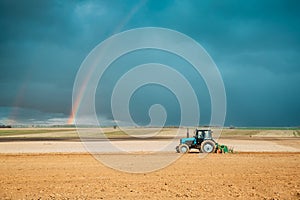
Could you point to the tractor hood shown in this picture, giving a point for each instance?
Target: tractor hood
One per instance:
(184, 140)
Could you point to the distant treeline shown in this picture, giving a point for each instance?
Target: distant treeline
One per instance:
(5, 126)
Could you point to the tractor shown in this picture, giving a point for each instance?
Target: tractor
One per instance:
(202, 140)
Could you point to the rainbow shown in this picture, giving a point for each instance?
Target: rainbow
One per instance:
(78, 99)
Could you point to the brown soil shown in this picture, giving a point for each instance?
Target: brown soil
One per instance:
(80, 176)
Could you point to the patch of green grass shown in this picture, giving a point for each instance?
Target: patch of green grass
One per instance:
(115, 133)
(296, 133)
(130, 133)
(118, 133)
(240, 132)
(30, 131)
(269, 128)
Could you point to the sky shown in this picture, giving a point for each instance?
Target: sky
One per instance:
(255, 45)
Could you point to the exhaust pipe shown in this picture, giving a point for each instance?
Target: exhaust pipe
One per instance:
(187, 133)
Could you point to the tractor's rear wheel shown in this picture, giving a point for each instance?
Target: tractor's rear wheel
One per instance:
(183, 148)
(208, 146)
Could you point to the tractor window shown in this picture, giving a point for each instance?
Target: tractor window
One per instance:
(207, 134)
(200, 135)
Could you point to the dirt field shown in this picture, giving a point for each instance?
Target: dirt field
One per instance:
(53, 164)
(79, 176)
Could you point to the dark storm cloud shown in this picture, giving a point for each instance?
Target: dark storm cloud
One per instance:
(43, 44)
(40, 52)
(255, 44)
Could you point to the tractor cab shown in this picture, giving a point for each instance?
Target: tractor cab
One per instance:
(201, 135)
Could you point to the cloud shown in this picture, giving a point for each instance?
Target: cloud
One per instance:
(255, 44)
(24, 116)
(18, 116)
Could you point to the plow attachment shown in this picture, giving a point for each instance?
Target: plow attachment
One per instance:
(221, 148)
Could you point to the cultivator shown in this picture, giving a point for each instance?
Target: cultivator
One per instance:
(203, 141)
(223, 149)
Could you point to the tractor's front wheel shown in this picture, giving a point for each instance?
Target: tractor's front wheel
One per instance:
(208, 146)
(183, 148)
(177, 149)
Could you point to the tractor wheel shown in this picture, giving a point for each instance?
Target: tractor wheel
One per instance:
(183, 148)
(177, 149)
(208, 146)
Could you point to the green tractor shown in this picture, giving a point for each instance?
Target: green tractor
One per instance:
(202, 140)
